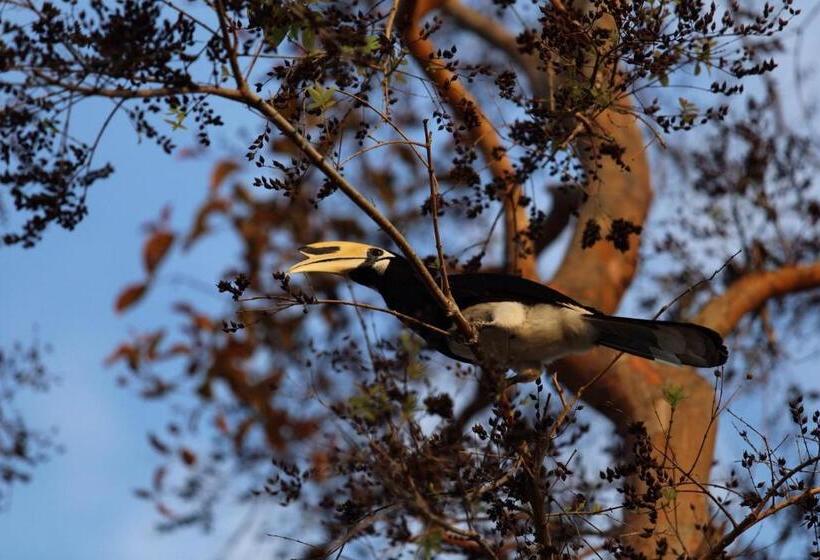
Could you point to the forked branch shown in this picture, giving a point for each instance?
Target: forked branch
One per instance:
(519, 256)
(752, 290)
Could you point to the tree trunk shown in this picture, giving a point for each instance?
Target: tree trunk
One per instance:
(633, 390)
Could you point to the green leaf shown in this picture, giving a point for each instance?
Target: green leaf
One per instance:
(275, 36)
(430, 543)
(321, 97)
(416, 370)
(179, 115)
(370, 404)
(411, 344)
(409, 404)
(688, 110)
(308, 39)
(674, 395)
(371, 44)
(669, 493)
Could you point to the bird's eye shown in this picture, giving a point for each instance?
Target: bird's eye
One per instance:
(374, 252)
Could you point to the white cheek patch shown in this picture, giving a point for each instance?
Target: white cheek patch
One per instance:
(380, 265)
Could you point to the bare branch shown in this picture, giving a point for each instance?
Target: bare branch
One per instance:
(520, 258)
(428, 144)
(492, 31)
(759, 513)
(752, 290)
(286, 302)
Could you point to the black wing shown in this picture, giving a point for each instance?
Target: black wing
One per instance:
(484, 287)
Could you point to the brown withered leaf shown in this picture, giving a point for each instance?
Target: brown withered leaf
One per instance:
(158, 444)
(155, 249)
(198, 320)
(304, 429)
(178, 349)
(165, 511)
(221, 171)
(200, 225)
(188, 457)
(150, 343)
(129, 296)
(157, 389)
(222, 424)
(320, 463)
(158, 478)
(241, 432)
(126, 352)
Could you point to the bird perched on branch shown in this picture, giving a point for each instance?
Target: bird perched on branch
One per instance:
(520, 324)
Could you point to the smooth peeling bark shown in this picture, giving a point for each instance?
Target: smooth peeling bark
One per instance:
(632, 391)
(751, 291)
(518, 249)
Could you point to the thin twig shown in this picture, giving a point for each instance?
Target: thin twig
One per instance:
(428, 144)
(391, 18)
(254, 59)
(697, 284)
(241, 83)
(386, 118)
(566, 411)
(379, 144)
(558, 389)
(759, 513)
(285, 303)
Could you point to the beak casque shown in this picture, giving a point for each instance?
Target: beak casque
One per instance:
(335, 257)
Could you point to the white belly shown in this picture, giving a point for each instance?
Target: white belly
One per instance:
(512, 335)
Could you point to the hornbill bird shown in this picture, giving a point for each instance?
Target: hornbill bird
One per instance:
(521, 324)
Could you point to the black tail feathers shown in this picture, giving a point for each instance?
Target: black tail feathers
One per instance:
(667, 341)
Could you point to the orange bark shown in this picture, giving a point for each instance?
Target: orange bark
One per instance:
(633, 389)
(752, 290)
(519, 254)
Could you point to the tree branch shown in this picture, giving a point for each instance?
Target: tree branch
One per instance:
(759, 513)
(565, 202)
(431, 177)
(748, 293)
(520, 258)
(285, 302)
(492, 31)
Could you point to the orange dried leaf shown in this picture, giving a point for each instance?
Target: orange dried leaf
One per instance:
(321, 466)
(222, 424)
(188, 457)
(165, 510)
(129, 296)
(155, 249)
(203, 323)
(151, 343)
(200, 225)
(158, 478)
(178, 349)
(221, 171)
(157, 389)
(125, 352)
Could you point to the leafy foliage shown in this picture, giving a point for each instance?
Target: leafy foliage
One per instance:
(347, 417)
(22, 447)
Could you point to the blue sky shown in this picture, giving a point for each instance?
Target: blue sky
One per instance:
(80, 504)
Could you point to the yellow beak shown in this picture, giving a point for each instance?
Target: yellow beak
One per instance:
(336, 257)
